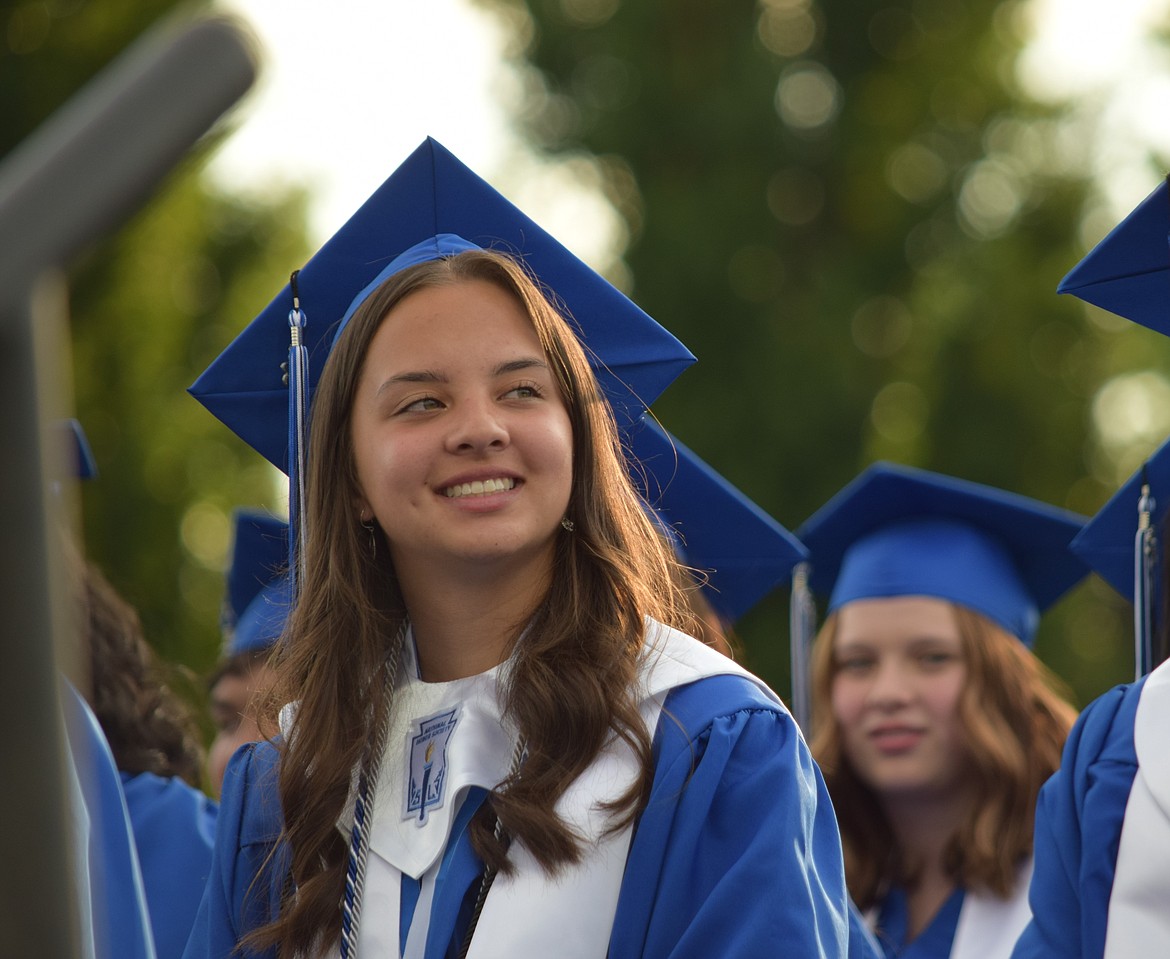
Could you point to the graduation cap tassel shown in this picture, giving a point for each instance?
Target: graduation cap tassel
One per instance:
(801, 623)
(298, 414)
(1145, 557)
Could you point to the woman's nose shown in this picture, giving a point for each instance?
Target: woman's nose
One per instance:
(476, 426)
(890, 686)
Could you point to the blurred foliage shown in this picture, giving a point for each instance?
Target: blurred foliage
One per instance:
(150, 307)
(856, 220)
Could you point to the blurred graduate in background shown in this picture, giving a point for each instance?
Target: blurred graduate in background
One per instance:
(256, 607)
(934, 724)
(153, 738)
(112, 915)
(1102, 881)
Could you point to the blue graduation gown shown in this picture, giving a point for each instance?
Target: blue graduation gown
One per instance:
(174, 832)
(1078, 828)
(737, 852)
(933, 942)
(120, 924)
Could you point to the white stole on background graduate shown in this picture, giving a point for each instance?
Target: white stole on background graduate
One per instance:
(1139, 906)
(528, 913)
(988, 926)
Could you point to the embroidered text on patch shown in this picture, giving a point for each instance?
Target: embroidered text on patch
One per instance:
(427, 780)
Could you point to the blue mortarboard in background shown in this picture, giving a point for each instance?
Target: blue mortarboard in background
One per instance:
(1128, 272)
(258, 591)
(262, 623)
(1120, 544)
(898, 531)
(430, 194)
(715, 528)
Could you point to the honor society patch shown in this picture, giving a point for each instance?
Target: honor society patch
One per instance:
(427, 745)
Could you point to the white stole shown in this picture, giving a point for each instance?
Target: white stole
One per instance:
(528, 913)
(1139, 905)
(988, 926)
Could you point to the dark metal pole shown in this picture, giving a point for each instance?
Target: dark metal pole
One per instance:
(78, 177)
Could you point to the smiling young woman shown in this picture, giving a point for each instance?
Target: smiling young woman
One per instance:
(934, 724)
(487, 631)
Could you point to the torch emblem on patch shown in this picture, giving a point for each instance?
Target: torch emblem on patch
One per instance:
(426, 786)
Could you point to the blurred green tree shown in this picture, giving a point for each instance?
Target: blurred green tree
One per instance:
(856, 218)
(150, 307)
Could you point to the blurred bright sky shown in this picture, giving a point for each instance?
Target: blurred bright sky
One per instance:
(350, 87)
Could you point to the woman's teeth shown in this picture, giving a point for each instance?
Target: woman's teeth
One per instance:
(480, 487)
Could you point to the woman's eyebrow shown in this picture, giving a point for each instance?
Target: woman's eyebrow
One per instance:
(521, 363)
(412, 376)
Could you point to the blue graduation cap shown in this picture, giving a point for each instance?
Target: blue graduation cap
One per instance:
(1120, 543)
(259, 596)
(432, 194)
(899, 531)
(262, 623)
(1128, 272)
(432, 206)
(714, 528)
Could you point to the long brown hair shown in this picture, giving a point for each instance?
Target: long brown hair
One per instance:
(569, 686)
(1015, 717)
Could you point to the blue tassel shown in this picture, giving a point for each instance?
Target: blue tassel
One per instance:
(298, 416)
(802, 616)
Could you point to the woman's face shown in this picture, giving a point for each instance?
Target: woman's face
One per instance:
(899, 670)
(463, 445)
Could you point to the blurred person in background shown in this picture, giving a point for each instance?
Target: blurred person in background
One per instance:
(256, 607)
(934, 724)
(153, 738)
(1101, 886)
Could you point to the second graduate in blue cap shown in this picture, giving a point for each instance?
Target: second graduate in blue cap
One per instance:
(484, 638)
(934, 724)
(256, 606)
(1102, 880)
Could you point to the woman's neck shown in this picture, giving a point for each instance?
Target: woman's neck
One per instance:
(923, 830)
(464, 625)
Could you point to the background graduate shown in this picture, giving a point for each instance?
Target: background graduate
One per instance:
(109, 899)
(933, 722)
(153, 739)
(256, 607)
(1102, 881)
(484, 638)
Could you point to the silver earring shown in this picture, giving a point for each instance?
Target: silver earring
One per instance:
(567, 525)
(369, 528)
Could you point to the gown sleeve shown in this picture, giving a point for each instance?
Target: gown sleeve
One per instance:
(1079, 816)
(114, 920)
(737, 852)
(244, 888)
(174, 832)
